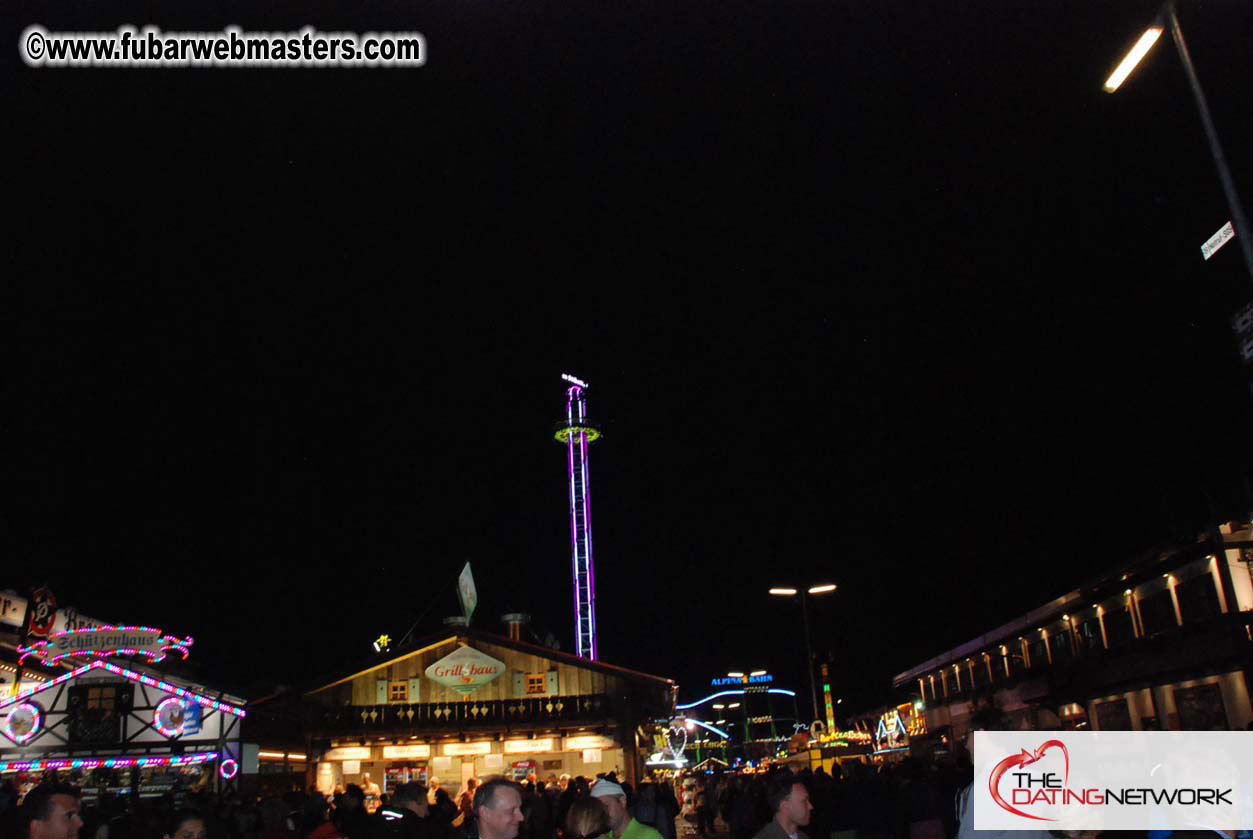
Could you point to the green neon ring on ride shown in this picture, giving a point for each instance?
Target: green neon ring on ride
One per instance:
(563, 434)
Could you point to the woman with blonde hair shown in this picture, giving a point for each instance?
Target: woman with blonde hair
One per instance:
(587, 819)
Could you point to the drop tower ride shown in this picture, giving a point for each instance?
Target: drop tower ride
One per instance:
(576, 433)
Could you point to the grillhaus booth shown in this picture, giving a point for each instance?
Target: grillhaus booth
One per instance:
(469, 703)
(96, 704)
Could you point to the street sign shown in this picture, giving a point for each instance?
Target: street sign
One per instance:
(467, 592)
(1224, 235)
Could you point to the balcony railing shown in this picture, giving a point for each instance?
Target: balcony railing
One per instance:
(1222, 636)
(454, 716)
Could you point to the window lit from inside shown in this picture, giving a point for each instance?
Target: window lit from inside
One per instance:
(104, 698)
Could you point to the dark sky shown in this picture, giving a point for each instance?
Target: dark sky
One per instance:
(887, 294)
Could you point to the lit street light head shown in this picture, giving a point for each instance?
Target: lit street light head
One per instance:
(822, 589)
(1129, 62)
(783, 592)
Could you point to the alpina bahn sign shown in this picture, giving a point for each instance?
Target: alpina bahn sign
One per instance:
(465, 670)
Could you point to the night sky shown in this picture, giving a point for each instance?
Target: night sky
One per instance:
(890, 295)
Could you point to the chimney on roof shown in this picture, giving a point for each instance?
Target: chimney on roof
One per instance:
(514, 621)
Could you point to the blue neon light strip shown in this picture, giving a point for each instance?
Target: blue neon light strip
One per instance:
(791, 693)
(717, 731)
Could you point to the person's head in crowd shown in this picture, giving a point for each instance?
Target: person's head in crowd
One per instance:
(354, 797)
(313, 813)
(498, 809)
(411, 796)
(273, 812)
(564, 781)
(789, 802)
(185, 824)
(587, 818)
(50, 811)
(580, 786)
(614, 799)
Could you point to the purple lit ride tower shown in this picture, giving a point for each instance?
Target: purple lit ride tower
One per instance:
(575, 433)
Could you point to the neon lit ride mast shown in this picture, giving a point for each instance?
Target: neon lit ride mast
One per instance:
(575, 433)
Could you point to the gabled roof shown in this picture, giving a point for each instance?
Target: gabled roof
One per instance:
(469, 634)
(134, 676)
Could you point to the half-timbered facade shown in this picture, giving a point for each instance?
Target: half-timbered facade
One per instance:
(113, 719)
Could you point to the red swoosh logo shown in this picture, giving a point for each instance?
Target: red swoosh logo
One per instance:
(1024, 759)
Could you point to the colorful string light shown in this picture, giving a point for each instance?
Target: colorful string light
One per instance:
(40, 649)
(177, 730)
(142, 678)
(107, 762)
(228, 769)
(37, 722)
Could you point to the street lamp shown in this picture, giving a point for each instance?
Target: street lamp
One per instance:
(1128, 64)
(818, 588)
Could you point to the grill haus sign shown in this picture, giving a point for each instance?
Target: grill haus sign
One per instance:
(465, 670)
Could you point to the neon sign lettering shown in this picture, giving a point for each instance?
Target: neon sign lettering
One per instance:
(743, 680)
(104, 641)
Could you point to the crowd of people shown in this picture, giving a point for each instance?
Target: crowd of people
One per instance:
(561, 808)
(906, 800)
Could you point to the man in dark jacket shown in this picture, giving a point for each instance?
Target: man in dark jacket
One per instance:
(350, 815)
(404, 816)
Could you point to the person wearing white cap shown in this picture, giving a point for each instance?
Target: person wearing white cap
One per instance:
(621, 824)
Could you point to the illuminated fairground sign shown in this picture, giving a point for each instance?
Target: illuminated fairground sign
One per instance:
(465, 670)
(848, 737)
(104, 641)
(758, 679)
(897, 726)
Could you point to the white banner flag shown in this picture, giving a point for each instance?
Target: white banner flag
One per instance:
(467, 592)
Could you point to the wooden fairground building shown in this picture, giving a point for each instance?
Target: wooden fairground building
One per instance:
(469, 703)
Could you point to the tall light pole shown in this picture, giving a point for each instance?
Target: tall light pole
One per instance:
(787, 591)
(1123, 70)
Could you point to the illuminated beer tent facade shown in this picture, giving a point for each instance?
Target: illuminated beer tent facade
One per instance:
(473, 702)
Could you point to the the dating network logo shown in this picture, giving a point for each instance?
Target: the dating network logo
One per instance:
(1048, 788)
(1112, 780)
